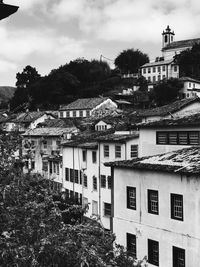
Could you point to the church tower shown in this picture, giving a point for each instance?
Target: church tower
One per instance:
(167, 37)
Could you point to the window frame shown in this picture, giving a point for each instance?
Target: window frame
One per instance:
(175, 256)
(131, 245)
(134, 151)
(94, 183)
(103, 178)
(151, 203)
(106, 151)
(109, 181)
(85, 181)
(118, 153)
(131, 198)
(175, 208)
(106, 209)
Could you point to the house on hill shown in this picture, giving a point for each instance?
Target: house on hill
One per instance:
(191, 87)
(84, 107)
(155, 207)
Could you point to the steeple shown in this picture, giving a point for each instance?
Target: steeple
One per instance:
(168, 37)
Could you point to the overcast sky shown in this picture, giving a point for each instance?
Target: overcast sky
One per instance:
(48, 33)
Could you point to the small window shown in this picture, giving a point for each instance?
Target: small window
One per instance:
(144, 70)
(173, 138)
(74, 113)
(87, 113)
(159, 77)
(153, 252)
(94, 183)
(154, 69)
(162, 138)
(84, 154)
(81, 113)
(131, 245)
(66, 174)
(109, 182)
(118, 151)
(131, 198)
(85, 181)
(193, 138)
(149, 70)
(175, 68)
(71, 173)
(67, 114)
(61, 114)
(103, 181)
(76, 176)
(106, 151)
(149, 79)
(134, 151)
(154, 79)
(163, 67)
(94, 207)
(153, 206)
(177, 207)
(107, 209)
(94, 156)
(159, 69)
(178, 257)
(189, 84)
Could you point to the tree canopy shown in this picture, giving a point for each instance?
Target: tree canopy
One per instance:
(189, 62)
(130, 60)
(166, 91)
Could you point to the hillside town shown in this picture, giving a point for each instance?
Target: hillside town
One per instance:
(133, 166)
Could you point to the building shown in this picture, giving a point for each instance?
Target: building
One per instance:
(42, 152)
(84, 175)
(85, 107)
(169, 134)
(174, 109)
(191, 87)
(155, 204)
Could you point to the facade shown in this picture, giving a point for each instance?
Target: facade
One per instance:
(42, 152)
(169, 135)
(191, 87)
(85, 107)
(86, 178)
(156, 207)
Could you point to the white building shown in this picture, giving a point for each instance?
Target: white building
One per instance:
(191, 87)
(86, 178)
(85, 107)
(156, 207)
(169, 135)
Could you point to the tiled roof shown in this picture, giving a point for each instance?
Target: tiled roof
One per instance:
(158, 63)
(179, 44)
(59, 123)
(49, 131)
(84, 103)
(25, 117)
(170, 108)
(118, 137)
(189, 79)
(185, 161)
(184, 120)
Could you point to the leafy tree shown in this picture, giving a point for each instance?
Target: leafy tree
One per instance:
(143, 84)
(189, 62)
(166, 91)
(130, 60)
(25, 79)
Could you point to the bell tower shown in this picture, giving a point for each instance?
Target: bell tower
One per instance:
(167, 37)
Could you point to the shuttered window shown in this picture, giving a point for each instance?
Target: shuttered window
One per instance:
(162, 138)
(177, 138)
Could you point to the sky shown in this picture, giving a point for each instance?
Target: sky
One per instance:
(48, 33)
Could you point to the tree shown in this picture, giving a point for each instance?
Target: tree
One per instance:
(166, 91)
(189, 62)
(25, 79)
(130, 60)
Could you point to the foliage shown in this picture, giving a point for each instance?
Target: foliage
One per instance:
(189, 62)
(166, 91)
(130, 60)
(142, 83)
(25, 79)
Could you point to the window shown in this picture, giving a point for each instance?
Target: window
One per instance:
(103, 181)
(80, 176)
(163, 67)
(67, 114)
(149, 79)
(94, 207)
(177, 138)
(94, 156)
(149, 70)
(107, 209)
(131, 244)
(144, 71)
(66, 174)
(45, 144)
(175, 68)
(131, 197)
(85, 180)
(134, 151)
(153, 252)
(109, 182)
(26, 164)
(177, 207)
(74, 113)
(76, 176)
(61, 114)
(159, 78)
(118, 151)
(84, 154)
(159, 69)
(154, 79)
(71, 175)
(178, 257)
(87, 113)
(85, 201)
(32, 165)
(153, 206)
(81, 113)
(45, 166)
(154, 69)
(193, 85)
(189, 84)
(54, 167)
(106, 151)
(94, 183)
